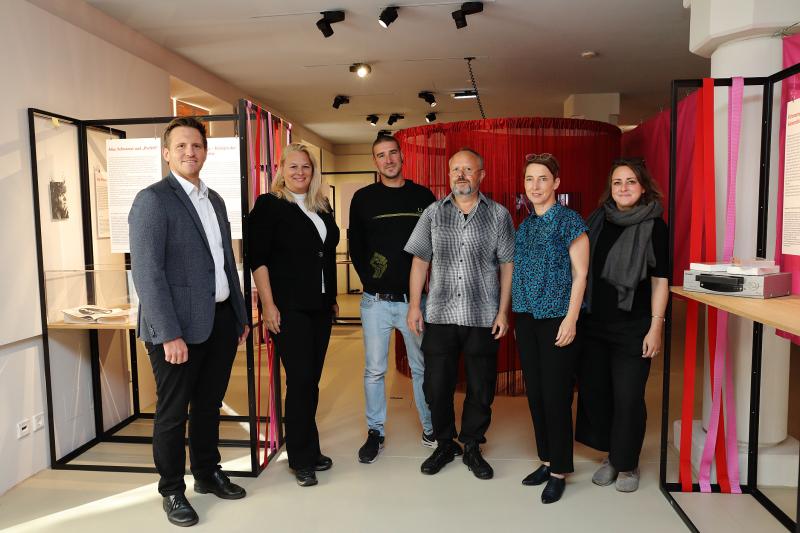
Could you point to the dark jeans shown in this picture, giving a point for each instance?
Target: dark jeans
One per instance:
(612, 377)
(301, 346)
(441, 346)
(200, 384)
(549, 373)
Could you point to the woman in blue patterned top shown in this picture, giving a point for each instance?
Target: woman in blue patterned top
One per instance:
(551, 259)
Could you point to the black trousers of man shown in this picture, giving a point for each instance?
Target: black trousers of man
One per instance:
(612, 377)
(199, 386)
(301, 346)
(441, 346)
(549, 373)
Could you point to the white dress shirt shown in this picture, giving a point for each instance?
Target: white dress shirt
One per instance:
(208, 217)
(300, 200)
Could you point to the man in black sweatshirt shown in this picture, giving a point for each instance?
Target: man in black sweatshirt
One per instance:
(382, 217)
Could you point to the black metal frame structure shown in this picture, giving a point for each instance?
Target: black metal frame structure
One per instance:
(751, 487)
(110, 435)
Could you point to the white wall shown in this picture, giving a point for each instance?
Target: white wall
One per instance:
(52, 65)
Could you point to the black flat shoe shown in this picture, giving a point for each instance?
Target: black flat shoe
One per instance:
(305, 477)
(323, 463)
(553, 490)
(220, 486)
(178, 510)
(537, 477)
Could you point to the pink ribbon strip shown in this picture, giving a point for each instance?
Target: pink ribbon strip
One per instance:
(723, 363)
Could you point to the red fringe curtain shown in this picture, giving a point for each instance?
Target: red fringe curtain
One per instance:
(585, 149)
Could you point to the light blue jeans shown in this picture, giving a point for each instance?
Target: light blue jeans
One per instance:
(379, 319)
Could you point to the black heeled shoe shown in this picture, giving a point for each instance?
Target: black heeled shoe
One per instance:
(553, 490)
(537, 477)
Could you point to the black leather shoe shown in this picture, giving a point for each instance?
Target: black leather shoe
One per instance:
(443, 454)
(553, 490)
(219, 485)
(305, 477)
(178, 510)
(323, 463)
(476, 463)
(538, 476)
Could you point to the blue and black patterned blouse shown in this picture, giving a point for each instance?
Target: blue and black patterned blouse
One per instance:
(542, 274)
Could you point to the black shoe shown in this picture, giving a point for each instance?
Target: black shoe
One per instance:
(305, 477)
(368, 453)
(538, 476)
(219, 485)
(323, 463)
(443, 454)
(178, 510)
(553, 490)
(476, 463)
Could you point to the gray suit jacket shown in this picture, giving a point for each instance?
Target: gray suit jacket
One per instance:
(172, 266)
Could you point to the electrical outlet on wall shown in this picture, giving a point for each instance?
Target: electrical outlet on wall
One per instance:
(38, 421)
(23, 428)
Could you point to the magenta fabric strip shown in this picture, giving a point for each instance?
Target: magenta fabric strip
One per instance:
(722, 357)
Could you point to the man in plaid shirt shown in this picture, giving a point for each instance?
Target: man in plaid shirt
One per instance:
(466, 239)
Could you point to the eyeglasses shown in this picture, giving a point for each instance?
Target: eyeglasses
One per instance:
(638, 161)
(467, 171)
(544, 156)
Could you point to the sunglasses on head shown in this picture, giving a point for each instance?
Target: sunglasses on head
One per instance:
(532, 158)
(629, 161)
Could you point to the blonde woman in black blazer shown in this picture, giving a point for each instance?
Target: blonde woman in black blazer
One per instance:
(293, 238)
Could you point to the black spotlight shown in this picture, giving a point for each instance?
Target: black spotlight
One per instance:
(340, 99)
(428, 97)
(372, 119)
(467, 8)
(394, 117)
(388, 133)
(328, 18)
(430, 117)
(388, 16)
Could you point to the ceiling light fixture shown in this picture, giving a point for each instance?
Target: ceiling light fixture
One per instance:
(340, 99)
(467, 8)
(328, 18)
(372, 119)
(460, 95)
(588, 54)
(388, 15)
(428, 97)
(394, 117)
(362, 70)
(430, 117)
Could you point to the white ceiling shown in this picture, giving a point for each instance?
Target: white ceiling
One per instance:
(527, 55)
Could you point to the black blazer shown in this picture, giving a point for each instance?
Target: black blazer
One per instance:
(282, 238)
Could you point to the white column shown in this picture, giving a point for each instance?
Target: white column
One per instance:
(738, 36)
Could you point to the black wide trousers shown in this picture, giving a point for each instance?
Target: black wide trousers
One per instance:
(612, 377)
(199, 386)
(549, 373)
(442, 346)
(301, 346)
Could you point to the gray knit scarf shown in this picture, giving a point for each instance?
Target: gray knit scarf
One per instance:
(631, 254)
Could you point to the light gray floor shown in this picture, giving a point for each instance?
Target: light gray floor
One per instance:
(390, 495)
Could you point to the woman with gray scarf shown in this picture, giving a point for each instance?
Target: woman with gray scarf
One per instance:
(623, 320)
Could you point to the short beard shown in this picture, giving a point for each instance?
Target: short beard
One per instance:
(463, 192)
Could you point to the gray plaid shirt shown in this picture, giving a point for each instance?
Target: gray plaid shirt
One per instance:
(464, 256)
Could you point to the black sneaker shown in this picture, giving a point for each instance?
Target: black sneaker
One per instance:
(428, 441)
(476, 463)
(368, 453)
(444, 453)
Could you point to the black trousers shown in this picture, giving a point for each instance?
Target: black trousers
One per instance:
(301, 346)
(612, 377)
(549, 373)
(198, 385)
(441, 346)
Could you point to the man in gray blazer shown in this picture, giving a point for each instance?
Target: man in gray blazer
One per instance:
(192, 315)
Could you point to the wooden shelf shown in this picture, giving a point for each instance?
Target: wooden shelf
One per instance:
(781, 313)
